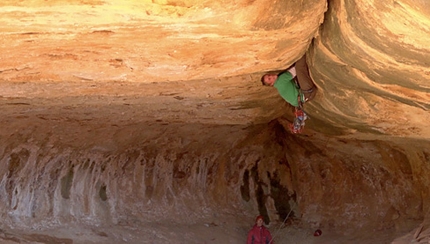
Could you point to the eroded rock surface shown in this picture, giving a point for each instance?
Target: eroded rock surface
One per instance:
(116, 115)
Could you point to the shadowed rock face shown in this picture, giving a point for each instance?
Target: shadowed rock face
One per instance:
(124, 113)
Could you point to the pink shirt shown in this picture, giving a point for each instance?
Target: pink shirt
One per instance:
(259, 235)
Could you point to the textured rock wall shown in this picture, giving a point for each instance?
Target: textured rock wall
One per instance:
(152, 41)
(151, 175)
(372, 62)
(141, 174)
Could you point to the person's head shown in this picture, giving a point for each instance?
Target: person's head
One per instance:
(269, 79)
(259, 221)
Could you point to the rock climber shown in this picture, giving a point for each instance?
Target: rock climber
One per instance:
(259, 234)
(296, 87)
(294, 84)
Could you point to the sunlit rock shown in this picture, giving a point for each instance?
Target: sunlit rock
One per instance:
(123, 120)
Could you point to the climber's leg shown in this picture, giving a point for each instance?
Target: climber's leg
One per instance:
(307, 86)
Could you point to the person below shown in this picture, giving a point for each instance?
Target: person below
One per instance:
(259, 234)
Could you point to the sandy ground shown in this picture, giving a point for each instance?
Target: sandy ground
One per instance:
(205, 232)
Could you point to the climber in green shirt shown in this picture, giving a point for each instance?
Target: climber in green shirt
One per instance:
(286, 87)
(294, 85)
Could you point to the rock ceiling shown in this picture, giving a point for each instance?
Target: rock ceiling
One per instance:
(182, 56)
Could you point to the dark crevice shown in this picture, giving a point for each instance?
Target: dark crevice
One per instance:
(66, 184)
(244, 189)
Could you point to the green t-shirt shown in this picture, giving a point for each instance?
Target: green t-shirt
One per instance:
(287, 88)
